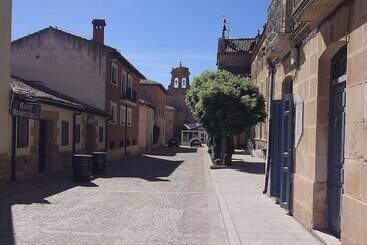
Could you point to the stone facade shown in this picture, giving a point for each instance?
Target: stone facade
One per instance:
(155, 94)
(177, 96)
(146, 125)
(307, 72)
(170, 122)
(5, 125)
(89, 65)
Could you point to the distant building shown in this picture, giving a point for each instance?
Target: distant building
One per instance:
(155, 94)
(180, 83)
(146, 125)
(170, 121)
(234, 55)
(89, 71)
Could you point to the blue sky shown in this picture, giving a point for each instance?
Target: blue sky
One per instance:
(154, 35)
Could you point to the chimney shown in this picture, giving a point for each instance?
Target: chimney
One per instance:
(98, 30)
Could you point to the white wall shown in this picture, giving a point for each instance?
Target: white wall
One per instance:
(67, 64)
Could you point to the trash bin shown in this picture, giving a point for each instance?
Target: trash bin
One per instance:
(99, 163)
(82, 167)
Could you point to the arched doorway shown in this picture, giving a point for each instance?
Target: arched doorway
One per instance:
(337, 104)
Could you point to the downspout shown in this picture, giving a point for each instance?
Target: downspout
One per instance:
(74, 136)
(125, 123)
(105, 135)
(272, 71)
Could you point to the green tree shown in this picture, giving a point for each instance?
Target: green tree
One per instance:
(225, 104)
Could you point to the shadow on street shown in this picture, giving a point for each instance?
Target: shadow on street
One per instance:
(166, 151)
(248, 167)
(144, 167)
(32, 191)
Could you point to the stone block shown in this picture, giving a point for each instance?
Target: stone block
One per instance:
(357, 72)
(321, 167)
(354, 216)
(352, 178)
(364, 181)
(355, 104)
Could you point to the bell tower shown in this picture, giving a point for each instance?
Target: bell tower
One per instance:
(180, 80)
(180, 83)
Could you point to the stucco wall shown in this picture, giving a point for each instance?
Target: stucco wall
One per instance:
(64, 62)
(146, 124)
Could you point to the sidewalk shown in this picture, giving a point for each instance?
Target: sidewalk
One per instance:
(250, 217)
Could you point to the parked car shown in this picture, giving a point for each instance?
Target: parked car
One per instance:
(173, 142)
(195, 142)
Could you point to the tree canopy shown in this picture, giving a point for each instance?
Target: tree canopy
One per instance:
(224, 103)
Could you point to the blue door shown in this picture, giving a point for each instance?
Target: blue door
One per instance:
(286, 161)
(336, 139)
(275, 150)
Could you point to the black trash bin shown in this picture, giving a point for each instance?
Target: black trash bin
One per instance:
(99, 163)
(82, 167)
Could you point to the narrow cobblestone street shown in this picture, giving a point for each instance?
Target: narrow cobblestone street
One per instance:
(166, 198)
(170, 197)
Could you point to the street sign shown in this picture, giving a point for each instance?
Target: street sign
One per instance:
(298, 130)
(26, 109)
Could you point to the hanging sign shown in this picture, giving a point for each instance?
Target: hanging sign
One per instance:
(26, 109)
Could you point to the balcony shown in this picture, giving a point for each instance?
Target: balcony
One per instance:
(278, 29)
(129, 95)
(312, 11)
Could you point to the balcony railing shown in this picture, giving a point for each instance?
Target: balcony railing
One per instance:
(311, 11)
(129, 94)
(279, 26)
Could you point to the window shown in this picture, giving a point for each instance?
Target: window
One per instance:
(122, 115)
(22, 132)
(130, 85)
(64, 132)
(100, 135)
(113, 111)
(77, 133)
(183, 83)
(175, 84)
(129, 117)
(114, 74)
(123, 83)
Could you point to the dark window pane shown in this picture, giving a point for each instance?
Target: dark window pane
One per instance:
(77, 133)
(64, 133)
(100, 138)
(22, 132)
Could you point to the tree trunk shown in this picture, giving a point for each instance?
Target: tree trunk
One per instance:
(223, 150)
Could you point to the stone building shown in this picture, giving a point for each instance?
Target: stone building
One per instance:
(155, 94)
(146, 125)
(180, 83)
(311, 64)
(49, 128)
(234, 54)
(170, 122)
(5, 124)
(89, 71)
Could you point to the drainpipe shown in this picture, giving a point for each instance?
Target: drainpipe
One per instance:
(74, 137)
(105, 135)
(125, 124)
(13, 148)
(272, 71)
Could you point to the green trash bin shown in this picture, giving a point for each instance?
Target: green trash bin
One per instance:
(99, 163)
(82, 167)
